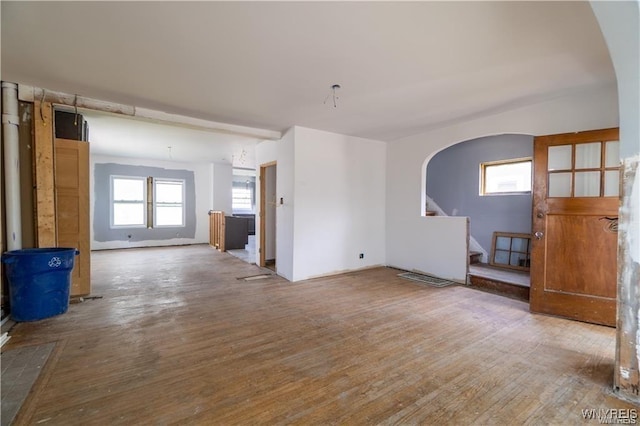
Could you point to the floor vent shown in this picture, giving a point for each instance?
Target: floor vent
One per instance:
(426, 279)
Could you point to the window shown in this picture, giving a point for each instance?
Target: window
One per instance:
(585, 169)
(128, 200)
(133, 197)
(168, 203)
(511, 250)
(242, 198)
(505, 177)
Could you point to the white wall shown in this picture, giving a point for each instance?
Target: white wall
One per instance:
(222, 184)
(281, 151)
(203, 178)
(620, 23)
(339, 203)
(434, 245)
(333, 202)
(284, 210)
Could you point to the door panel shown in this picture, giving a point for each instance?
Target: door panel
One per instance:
(574, 249)
(571, 235)
(72, 208)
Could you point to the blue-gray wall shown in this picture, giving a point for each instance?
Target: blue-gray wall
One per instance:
(102, 221)
(453, 182)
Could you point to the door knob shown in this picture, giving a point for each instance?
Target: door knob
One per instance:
(539, 235)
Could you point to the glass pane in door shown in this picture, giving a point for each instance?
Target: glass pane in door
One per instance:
(588, 155)
(587, 184)
(611, 183)
(559, 157)
(612, 154)
(560, 185)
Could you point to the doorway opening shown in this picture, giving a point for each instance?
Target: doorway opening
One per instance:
(488, 180)
(268, 203)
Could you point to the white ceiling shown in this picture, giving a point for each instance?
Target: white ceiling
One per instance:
(404, 67)
(110, 134)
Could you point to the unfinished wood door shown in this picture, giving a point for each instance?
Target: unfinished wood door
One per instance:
(72, 208)
(575, 210)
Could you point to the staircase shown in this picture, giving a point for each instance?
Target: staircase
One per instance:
(474, 257)
(508, 283)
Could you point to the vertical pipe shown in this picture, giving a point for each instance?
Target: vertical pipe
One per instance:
(10, 122)
(150, 198)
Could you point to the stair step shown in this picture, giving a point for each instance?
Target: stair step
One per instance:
(475, 257)
(514, 291)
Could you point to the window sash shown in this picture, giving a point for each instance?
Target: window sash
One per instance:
(128, 210)
(505, 173)
(170, 211)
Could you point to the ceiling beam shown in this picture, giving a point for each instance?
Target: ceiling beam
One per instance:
(31, 94)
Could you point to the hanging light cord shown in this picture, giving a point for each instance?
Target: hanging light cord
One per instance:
(333, 94)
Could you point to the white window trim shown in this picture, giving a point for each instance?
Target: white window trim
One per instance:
(112, 202)
(486, 164)
(155, 203)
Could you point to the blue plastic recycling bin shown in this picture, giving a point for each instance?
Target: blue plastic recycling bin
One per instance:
(39, 281)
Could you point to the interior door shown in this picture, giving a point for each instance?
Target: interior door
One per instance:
(72, 208)
(575, 210)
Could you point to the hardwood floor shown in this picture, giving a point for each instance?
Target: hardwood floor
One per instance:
(177, 339)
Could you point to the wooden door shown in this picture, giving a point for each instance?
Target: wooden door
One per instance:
(575, 210)
(72, 208)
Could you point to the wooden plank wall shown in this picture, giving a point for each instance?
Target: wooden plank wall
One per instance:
(44, 175)
(72, 208)
(216, 229)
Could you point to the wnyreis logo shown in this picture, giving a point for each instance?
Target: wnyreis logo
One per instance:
(611, 416)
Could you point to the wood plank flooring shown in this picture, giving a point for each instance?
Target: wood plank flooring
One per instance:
(177, 339)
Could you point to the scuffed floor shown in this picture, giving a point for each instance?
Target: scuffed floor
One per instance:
(20, 369)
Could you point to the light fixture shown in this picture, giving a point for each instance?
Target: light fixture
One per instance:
(332, 93)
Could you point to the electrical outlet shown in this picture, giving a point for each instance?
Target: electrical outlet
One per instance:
(361, 256)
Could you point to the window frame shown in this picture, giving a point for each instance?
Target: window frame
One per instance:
(112, 202)
(511, 251)
(182, 204)
(483, 175)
